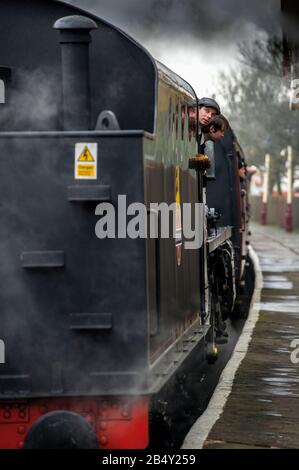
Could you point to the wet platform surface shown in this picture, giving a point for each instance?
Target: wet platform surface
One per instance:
(262, 410)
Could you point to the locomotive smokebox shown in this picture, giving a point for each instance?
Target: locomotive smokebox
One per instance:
(75, 39)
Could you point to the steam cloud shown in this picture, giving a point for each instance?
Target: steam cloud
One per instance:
(34, 104)
(202, 19)
(195, 38)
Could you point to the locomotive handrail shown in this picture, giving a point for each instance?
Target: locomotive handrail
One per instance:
(90, 133)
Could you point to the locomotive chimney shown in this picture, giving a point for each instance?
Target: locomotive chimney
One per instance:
(75, 39)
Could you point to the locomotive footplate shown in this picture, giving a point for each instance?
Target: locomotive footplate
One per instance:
(223, 234)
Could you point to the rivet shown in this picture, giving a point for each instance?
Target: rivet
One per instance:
(21, 444)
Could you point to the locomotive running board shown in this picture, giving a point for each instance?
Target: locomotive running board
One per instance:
(175, 355)
(223, 234)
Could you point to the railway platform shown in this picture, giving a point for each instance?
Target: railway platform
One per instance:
(256, 403)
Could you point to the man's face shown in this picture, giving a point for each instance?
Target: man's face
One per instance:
(205, 115)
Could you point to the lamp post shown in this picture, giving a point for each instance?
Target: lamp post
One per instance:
(289, 208)
(264, 207)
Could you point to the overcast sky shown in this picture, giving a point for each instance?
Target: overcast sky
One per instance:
(195, 38)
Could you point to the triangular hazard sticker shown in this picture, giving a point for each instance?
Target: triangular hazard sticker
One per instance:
(86, 156)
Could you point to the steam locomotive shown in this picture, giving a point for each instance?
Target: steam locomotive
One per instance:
(94, 328)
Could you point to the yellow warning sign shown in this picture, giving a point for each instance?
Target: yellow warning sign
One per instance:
(86, 156)
(85, 171)
(86, 161)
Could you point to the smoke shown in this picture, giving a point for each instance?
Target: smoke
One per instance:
(34, 103)
(195, 38)
(205, 20)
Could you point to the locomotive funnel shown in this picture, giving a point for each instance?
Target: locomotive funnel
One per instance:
(75, 39)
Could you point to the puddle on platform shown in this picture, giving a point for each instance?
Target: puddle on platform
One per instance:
(287, 335)
(281, 285)
(273, 265)
(287, 306)
(282, 351)
(277, 282)
(286, 392)
(287, 297)
(282, 381)
(275, 279)
(267, 268)
(275, 259)
(272, 413)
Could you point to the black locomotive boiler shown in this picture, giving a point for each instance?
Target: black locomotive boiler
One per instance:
(94, 328)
